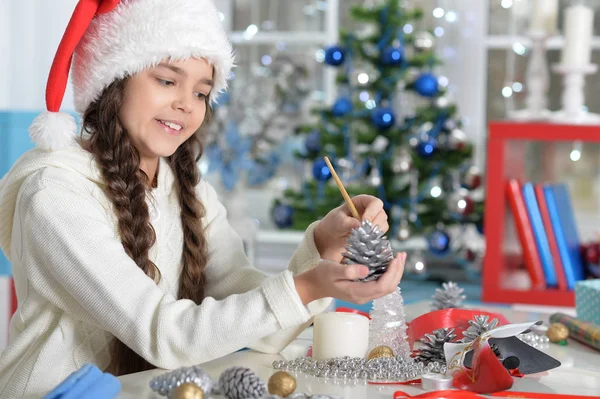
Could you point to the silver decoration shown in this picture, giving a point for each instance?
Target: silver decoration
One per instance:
(380, 144)
(403, 232)
(367, 245)
(442, 102)
(477, 327)
(538, 341)
(432, 350)
(165, 384)
(402, 161)
(417, 263)
(388, 325)
(449, 296)
(353, 369)
(369, 70)
(471, 178)
(241, 383)
(457, 139)
(424, 41)
(458, 203)
(374, 177)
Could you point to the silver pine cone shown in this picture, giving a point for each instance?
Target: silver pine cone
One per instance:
(367, 245)
(449, 296)
(477, 327)
(164, 384)
(432, 349)
(241, 383)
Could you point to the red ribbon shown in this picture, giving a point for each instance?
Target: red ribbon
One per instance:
(447, 318)
(457, 394)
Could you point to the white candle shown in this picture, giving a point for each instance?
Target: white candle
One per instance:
(545, 13)
(579, 23)
(340, 334)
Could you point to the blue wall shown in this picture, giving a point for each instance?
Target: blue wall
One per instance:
(14, 141)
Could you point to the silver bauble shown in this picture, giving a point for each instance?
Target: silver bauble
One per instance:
(424, 41)
(460, 203)
(402, 161)
(374, 178)
(403, 232)
(450, 124)
(457, 139)
(380, 144)
(442, 102)
(363, 76)
(416, 263)
(471, 178)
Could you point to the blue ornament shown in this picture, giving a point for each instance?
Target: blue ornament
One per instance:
(334, 56)
(342, 106)
(392, 56)
(427, 147)
(439, 242)
(313, 142)
(320, 170)
(426, 85)
(282, 215)
(383, 117)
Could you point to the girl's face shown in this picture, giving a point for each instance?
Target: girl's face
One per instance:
(163, 106)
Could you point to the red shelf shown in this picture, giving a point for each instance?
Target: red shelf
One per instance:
(506, 158)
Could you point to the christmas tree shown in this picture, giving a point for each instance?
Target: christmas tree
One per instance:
(392, 132)
(388, 325)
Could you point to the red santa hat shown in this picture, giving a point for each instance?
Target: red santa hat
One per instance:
(110, 39)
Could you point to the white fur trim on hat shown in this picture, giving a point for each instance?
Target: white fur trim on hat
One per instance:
(139, 34)
(53, 130)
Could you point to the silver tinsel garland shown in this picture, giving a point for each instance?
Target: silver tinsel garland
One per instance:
(353, 369)
(449, 296)
(367, 245)
(165, 384)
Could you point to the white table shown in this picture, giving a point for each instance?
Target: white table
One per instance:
(579, 373)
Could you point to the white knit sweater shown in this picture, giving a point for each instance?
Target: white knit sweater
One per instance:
(77, 288)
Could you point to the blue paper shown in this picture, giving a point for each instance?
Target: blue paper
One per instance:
(539, 232)
(565, 231)
(87, 383)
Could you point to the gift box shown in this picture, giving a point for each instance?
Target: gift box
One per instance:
(587, 300)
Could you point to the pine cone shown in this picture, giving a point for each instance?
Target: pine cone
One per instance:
(368, 246)
(450, 296)
(434, 346)
(478, 327)
(165, 384)
(241, 383)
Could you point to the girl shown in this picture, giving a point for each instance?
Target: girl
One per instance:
(122, 255)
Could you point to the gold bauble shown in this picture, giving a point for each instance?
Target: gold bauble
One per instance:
(381, 351)
(282, 384)
(557, 332)
(188, 390)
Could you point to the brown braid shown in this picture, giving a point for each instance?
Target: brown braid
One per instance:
(126, 187)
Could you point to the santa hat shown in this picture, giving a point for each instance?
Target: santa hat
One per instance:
(107, 40)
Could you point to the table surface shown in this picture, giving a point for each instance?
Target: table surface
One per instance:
(579, 373)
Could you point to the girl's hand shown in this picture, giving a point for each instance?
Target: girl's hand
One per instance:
(333, 231)
(332, 279)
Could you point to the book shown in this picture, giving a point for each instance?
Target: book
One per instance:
(558, 265)
(565, 231)
(539, 233)
(525, 232)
